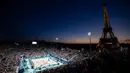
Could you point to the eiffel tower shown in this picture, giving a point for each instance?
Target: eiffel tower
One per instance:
(108, 39)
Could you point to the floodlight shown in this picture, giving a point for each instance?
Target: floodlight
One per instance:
(56, 38)
(34, 42)
(89, 33)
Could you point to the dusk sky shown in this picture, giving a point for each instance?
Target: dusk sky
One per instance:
(68, 20)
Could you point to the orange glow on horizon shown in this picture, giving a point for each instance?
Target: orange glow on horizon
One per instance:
(81, 41)
(88, 41)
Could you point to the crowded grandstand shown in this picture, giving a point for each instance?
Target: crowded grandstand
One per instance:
(32, 60)
(51, 59)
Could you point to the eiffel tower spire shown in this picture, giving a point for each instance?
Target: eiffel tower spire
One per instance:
(107, 30)
(106, 19)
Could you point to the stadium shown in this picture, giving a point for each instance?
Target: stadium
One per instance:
(39, 58)
(35, 64)
(19, 59)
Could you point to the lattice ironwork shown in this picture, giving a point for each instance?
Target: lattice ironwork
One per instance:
(107, 30)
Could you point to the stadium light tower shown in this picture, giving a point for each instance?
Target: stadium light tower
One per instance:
(57, 41)
(89, 34)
